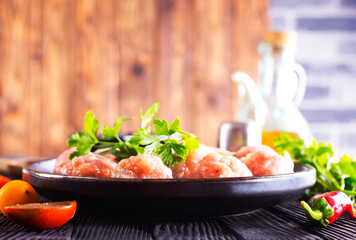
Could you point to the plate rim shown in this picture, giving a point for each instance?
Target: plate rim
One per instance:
(155, 197)
(27, 170)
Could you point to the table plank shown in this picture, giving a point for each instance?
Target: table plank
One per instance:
(102, 226)
(267, 224)
(284, 221)
(191, 229)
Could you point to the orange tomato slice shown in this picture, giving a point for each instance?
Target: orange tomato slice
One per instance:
(17, 192)
(41, 216)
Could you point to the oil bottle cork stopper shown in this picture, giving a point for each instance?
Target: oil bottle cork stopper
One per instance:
(280, 38)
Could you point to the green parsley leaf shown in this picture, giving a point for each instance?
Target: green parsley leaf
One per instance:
(173, 147)
(153, 148)
(165, 152)
(174, 126)
(91, 125)
(161, 127)
(149, 114)
(178, 137)
(331, 176)
(191, 144)
(348, 165)
(178, 143)
(179, 149)
(109, 132)
(143, 137)
(82, 141)
(125, 151)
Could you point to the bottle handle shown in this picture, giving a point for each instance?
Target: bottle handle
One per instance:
(302, 84)
(258, 106)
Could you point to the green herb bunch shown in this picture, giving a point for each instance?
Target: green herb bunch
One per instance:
(332, 174)
(168, 141)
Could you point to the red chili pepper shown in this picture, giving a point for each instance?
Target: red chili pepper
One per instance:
(325, 208)
(4, 180)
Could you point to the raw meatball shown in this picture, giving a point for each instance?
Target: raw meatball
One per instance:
(143, 166)
(263, 160)
(181, 170)
(90, 165)
(215, 165)
(63, 164)
(251, 149)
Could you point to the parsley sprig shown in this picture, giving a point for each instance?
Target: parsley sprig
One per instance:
(88, 140)
(168, 141)
(174, 144)
(332, 174)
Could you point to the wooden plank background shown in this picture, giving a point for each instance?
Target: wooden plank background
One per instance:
(61, 58)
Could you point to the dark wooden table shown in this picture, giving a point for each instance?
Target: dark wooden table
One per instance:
(284, 221)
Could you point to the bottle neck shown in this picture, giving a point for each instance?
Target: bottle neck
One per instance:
(275, 67)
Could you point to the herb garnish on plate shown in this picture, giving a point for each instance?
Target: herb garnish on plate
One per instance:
(332, 174)
(173, 145)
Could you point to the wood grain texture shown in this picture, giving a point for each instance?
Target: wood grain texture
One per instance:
(56, 68)
(248, 19)
(14, 75)
(210, 69)
(136, 27)
(87, 62)
(109, 70)
(34, 111)
(283, 221)
(60, 59)
(174, 41)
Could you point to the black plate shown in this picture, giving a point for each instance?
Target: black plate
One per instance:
(169, 197)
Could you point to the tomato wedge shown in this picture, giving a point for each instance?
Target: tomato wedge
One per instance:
(41, 216)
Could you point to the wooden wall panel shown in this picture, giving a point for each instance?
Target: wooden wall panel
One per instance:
(109, 65)
(59, 59)
(211, 80)
(56, 73)
(175, 56)
(249, 20)
(136, 29)
(87, 61)
(34, 121)
(14, 76)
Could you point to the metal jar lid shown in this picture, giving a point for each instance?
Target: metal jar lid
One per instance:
(234, 135)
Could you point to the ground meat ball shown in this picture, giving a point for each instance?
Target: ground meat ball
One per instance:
(143, 166)
(63, 164)
(93, 165)
(181, 170)
(90, 165)
(251, 149)
(203, 163)
(263, 160)
(215, 165)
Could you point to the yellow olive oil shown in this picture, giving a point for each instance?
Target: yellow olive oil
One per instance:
(268, 136)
